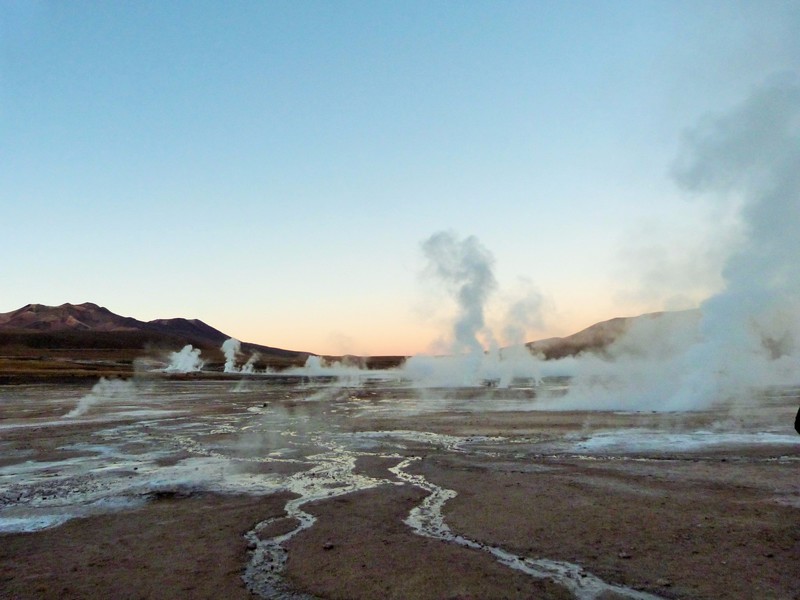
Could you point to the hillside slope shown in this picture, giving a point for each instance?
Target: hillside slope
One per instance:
(90, 327)
(599, 337)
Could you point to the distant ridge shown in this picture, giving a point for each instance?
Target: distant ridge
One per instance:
(598, 337)
(88, 325)
(67, 317)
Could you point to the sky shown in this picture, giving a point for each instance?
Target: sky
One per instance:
(275, 168)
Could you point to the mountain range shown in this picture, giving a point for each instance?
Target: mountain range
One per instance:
(87, 325)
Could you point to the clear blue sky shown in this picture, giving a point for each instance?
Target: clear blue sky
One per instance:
(272, 168)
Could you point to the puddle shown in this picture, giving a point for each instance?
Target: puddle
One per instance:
(659, 441)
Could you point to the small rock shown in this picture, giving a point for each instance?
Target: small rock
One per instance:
(624, 555)
(327, 546)
(662, 582)
(251, 546)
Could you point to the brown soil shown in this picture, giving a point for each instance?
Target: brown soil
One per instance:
(722, 523)
(173, 547)
(360, 548)
(678, 528)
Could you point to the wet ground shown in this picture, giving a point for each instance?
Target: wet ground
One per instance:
(364, 488)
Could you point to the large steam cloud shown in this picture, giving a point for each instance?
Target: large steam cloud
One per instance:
(752, 156)
(747, 335)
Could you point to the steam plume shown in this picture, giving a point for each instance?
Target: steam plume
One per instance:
(104, 391)
(748, 334)
(250, 365)
(186, 361)
(523, 313)
(231, 348)
(465, 268)
(753, 156)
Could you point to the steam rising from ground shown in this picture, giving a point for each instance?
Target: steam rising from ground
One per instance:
(186, 361)
(105, 391)
(464, 267)
(746, 335)
(750, 330)
(496, 368)
(524, 312)
(250, 365)
(231, 348)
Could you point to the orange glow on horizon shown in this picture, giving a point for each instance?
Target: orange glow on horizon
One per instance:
(399, 341)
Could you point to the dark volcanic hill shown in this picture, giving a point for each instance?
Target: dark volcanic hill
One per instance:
(67, 317)
(88, 325)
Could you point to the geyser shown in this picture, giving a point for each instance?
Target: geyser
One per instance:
(746, 336)
(231, 348)
(186, 361)
(751, 156)
(464, 267)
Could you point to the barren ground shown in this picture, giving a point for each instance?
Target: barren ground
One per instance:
(166, 479)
